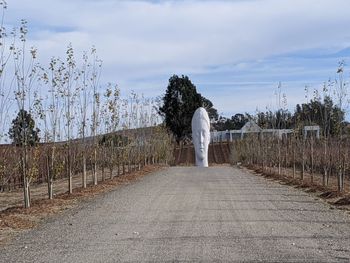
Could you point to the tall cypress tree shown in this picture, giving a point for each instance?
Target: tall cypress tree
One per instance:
(23, 130)
(179, 103)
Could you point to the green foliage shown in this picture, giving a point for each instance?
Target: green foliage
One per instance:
(113, 140)
(23, 131)
(280, 119)
(212, 112)
(179, 103)
(236, 122)
(323, 113)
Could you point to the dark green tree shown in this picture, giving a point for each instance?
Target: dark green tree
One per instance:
(212, 112)
(236, 122)
(280, 119)
(323, 113)
(179, 103)
(113, 139)
(23, 131)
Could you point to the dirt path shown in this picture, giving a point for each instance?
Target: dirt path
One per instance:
(192, 214)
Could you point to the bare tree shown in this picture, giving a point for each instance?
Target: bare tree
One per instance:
(94, 82)
(69, 93)
(25, 75)
(53, 78)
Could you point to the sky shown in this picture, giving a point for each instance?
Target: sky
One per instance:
(235, 52)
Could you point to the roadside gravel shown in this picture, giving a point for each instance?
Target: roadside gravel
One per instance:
(189, 214)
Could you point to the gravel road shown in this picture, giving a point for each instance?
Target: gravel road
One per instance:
(188, 214)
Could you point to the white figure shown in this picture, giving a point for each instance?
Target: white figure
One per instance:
(201, 136)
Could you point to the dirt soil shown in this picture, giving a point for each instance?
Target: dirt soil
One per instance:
(329, 194)
(14, 218)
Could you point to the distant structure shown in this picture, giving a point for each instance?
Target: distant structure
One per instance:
(252, 128)
(309, 129)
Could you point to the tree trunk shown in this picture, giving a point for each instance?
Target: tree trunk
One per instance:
(286, 157)
(312, 160)
(294, 168)
(26, 189)
(51, 189)
(26, 193)
(52, 174)
(84, 170)
(95, 166)
(303, 160)
(279, 157)
(324, 176)
(69, 164)
(70, 180)
(112, 153)
(341, 175)
(339, 179)
(118, 162)
(48, 175)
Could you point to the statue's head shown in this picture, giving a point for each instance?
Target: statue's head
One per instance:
(201, 136)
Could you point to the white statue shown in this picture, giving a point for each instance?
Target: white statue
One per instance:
(201, 136)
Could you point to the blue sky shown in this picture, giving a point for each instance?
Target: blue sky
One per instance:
(235, 52)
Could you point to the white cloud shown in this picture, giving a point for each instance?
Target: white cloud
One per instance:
(201, 32)
(152, 39)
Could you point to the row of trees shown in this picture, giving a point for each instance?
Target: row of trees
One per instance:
(64, 105)
(308, 158)
(322, 112)
(326, 108)
(182, 99)
(116, 154)
(298, 154)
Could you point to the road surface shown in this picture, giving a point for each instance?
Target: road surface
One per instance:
(188, 214)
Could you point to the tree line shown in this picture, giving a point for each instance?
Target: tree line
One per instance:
(182, 99)
(322, 112)
(302, 155)
(84, 126)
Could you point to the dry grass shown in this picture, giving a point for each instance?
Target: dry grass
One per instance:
(16, 219)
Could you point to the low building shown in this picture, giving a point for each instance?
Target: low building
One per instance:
(252, 128)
